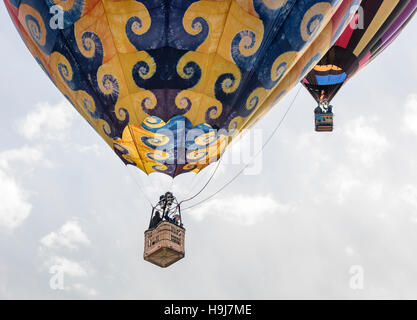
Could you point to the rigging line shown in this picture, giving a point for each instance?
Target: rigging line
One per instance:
(171, 185)
(254, 157)
(141, 188)
(141, 160)
(194, 182)
(206, 184)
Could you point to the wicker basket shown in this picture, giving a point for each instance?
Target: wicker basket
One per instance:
(165, 244)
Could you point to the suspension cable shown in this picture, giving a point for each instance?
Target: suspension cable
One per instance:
(142, 189)
(206, 184)
(249, 163)
(194, 182)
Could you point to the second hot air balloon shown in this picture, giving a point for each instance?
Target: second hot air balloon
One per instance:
(375, 26)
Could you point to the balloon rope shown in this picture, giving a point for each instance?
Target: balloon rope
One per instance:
(141, 188)
(250, 162)
(206, 184)
(195, 181)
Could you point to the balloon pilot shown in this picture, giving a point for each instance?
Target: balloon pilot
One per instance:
(170, 209)
(165, 238)
(323, 115)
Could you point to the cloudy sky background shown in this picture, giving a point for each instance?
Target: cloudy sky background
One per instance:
(321, 205)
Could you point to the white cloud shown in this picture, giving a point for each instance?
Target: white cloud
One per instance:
(84, 290)
(313, 145)
(375, 190)
(26, 155)
(14, 207)
(68, 267)
(70, 235)
(410, 115)
(95, 148)
(409, 195)
(14, 204)
(349, 251)
(341, 182)
(365, 142)
(47, 121)
(243, 209)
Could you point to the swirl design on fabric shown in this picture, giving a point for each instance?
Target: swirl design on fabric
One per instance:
(158, 80)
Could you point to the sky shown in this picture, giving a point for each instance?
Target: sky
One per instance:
(320, 216)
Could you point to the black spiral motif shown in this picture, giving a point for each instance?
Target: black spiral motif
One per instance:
(148, 104)
(225, 85)
(121, 152)
(110, 86)
(122, 114)
(184, 104)
(191, 72)
(212, 113)
(35, 29)
(134, 24)
(252, 103)
(243, 41)
(91, 43)
(141, 73)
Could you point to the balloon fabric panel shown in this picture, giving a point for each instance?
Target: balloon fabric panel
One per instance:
(168, 84)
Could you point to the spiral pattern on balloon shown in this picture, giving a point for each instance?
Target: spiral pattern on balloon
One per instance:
(281, 64)
(243, 44)
(108, 85)
(312, 20)
(105, 126)
(235, 124)
(62, 67)
(227, 83)
(148, 103)
(137, 26)
(152, 123)
(142, 71)
(206, 139)
(158, 155)
(122, 114)
(120, 148)
(213, 112)
(157, 140)
(196, 155)
(198, 25)
(188, 69)
(189, 167)
(182, 102)
(90, 45)
(87, 102)
(254, 98)
(34, 24)
(159, 167)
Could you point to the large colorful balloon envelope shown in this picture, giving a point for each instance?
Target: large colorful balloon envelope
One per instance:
(168, 84)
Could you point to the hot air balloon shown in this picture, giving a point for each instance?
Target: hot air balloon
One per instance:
(375, 26)
(168, 84)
